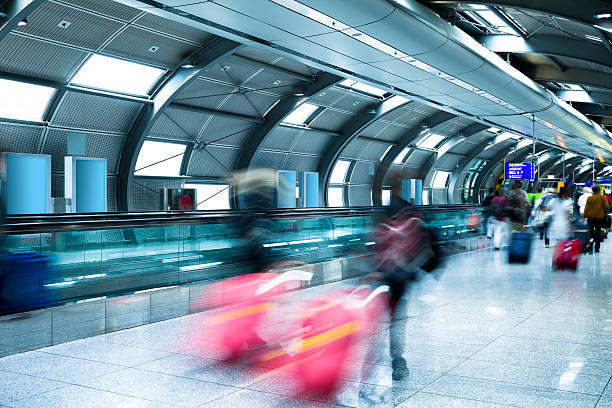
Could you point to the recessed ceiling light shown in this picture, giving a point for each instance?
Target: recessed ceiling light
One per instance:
(278, 81)
(154, 48)
(23, 22)
(225, 68)
(64, 24)
(187, 66)
(322, 94)
(355, 103)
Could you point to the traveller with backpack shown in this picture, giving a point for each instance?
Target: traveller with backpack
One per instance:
(595, 210)
(497, 223)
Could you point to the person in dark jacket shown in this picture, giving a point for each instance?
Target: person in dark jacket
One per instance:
(595, 213)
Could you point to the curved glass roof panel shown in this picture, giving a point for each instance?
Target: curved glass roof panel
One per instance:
(300, 114)
(22, 101)
(117, 75)
(160, 159)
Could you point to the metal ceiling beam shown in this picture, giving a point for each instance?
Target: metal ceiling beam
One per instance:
(275, 117)
(461, 136)
(563, 8)
(571, 76)
(150, 113)
(351, 131)
(596, 97)
(453, 192)
(427, 125)
(556, 166)
(206, 111)
(16, 10)
(595, 110)
(486, 172)
(554, 46)
(272, 68)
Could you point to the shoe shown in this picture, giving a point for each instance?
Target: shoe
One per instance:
(497, 248)
(400, 369)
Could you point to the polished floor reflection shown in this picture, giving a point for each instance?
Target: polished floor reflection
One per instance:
(487, 334)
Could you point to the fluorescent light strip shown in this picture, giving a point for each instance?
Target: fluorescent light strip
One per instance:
(275, 244)
(305, 241)
(199, 266)
(155, 289)
(59, 284)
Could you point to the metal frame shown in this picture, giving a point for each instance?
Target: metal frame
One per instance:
(562, 8)
(548, 45)
(595, 97)
(448, 144)
(275, 117)
(570, 76)
(427, 125)
(351, 131)
(150, 113)
(17, 10)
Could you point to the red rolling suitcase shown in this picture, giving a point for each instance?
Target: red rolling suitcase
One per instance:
(566, 254)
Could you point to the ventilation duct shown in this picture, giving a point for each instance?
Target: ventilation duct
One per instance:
(404, 47)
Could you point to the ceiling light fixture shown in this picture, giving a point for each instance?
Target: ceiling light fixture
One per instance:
(299, 92)
(23, 23)
(602, 15)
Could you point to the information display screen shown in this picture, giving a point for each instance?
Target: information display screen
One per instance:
(520, 171)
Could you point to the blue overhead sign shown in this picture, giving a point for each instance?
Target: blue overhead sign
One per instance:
(519, 171)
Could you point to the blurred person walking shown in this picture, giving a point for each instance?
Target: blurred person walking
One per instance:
(486, 210)
(543, 215)
(586, 193)
(560, 225)
(518, 203)
(497, 223)
(595, 210)
(403, 246)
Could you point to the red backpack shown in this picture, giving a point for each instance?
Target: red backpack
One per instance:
(400, 242)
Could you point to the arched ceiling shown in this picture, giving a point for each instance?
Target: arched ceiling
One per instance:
(563, 44)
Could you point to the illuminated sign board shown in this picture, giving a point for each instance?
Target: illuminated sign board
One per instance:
(520, 171)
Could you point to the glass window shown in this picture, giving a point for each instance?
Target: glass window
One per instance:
(382, 156)
(386, 197)
(425, 196)
(339, 173)
(430, 141)
(211, 196)
(160, 159)
(349, 83)
(399, 159)
(300, 114)
(440, 178)
(19, 100)
(335, 196)
(113, 74)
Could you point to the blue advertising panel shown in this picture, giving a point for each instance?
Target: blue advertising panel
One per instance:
(519, 171)
(27, 184)
(90, 188)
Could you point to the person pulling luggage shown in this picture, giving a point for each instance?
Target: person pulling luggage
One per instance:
(595, 211)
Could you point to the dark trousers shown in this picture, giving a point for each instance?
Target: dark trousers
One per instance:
(397, 327)
(595, 227)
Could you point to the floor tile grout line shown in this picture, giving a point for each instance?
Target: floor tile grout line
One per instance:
(524, 385)
(489, 343)
(525, 366)
(468, 399)
(604, 391)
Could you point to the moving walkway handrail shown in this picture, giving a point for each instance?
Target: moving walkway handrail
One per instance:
(71, 222)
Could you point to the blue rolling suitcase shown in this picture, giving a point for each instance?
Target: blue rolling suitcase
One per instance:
(520, 247)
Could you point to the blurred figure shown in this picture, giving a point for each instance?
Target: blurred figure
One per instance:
(608, 195)
(518, 203)
(256, 192)
(543, 215)
(586, 193)
(595, 211)
(486, 209)
(497, 223)
(403, 245)
(560, 225)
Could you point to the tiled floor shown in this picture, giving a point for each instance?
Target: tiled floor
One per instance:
(487, 334)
